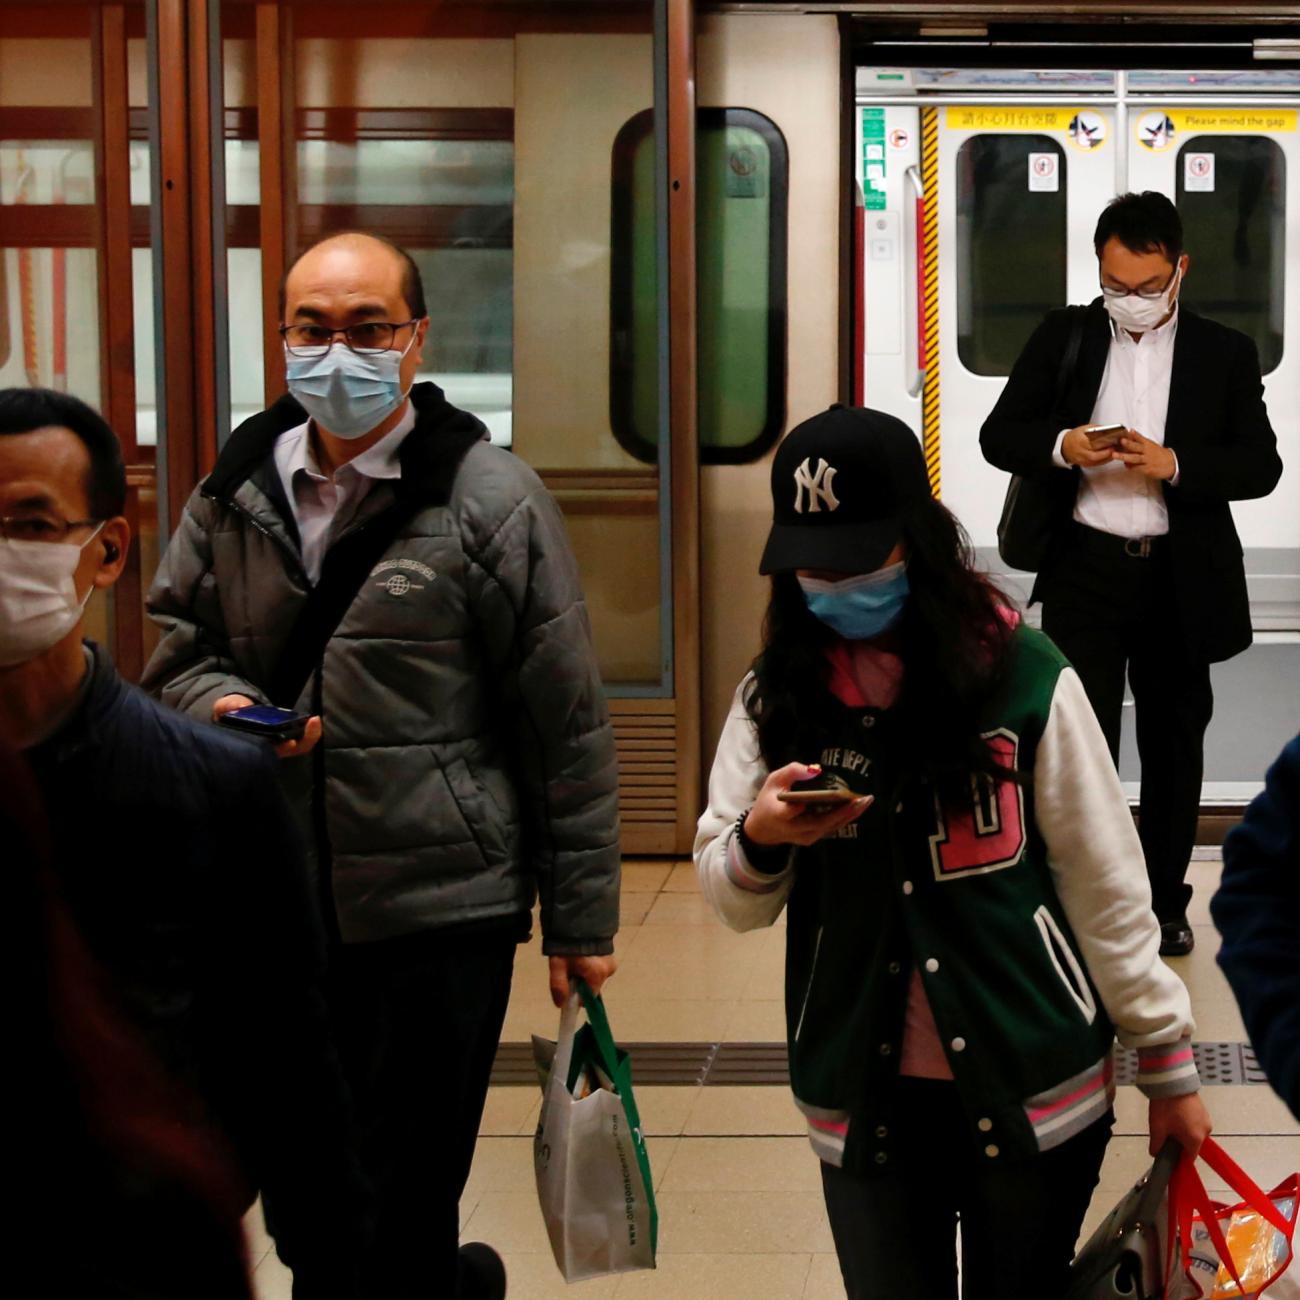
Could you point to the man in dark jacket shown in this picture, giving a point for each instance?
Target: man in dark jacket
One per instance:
(1257, 910)
(363, 554)
(1140, 446)
(173, 851)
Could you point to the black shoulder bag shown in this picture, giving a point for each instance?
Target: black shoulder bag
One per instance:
(1029, 513)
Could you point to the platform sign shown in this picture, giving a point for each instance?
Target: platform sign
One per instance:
(1198, 173)
(873, 158)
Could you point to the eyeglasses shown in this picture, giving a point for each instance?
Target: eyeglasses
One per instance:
(367, 337)
(1147, 295)
(40, 528)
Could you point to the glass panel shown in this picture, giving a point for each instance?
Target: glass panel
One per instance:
(1232, 199)
(1011, 248)
(460, 232)
(740, 203)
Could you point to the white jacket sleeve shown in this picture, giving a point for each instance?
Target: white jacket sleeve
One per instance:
(1099, 872)
(743, 897)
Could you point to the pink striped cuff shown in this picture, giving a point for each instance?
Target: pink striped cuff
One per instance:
(1168, 1069)
(743, 876)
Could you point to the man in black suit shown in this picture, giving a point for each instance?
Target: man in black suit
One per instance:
(1143, 571)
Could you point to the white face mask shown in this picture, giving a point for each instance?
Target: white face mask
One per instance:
(1130, 312)
(38, 597)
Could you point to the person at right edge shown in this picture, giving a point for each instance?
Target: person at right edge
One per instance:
(1144, 569)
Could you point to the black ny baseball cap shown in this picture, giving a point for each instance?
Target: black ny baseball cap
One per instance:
(841, 483)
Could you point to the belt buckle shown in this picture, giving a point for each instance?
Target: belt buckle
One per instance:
(1142, 545)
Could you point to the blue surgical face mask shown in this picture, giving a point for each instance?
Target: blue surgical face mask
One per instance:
(347, 393)
(860, 607)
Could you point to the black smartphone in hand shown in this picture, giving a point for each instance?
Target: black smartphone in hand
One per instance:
(266, 720)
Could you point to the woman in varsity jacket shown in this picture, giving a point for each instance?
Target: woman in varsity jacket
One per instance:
(969, 929)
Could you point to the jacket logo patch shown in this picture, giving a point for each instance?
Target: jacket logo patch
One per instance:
(817, 485)
(990, 835)
(398, 582)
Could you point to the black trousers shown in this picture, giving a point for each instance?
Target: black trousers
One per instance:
(418, 1020)
(1110, 611)
(896, 1235)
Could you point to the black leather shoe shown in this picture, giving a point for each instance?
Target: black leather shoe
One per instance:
(1176, 938)
(482, 1273)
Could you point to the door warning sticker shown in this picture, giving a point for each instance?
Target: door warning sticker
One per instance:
(1044, 173)
(1198, 173)
(1159, 130)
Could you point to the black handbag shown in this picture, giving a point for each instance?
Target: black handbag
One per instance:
(1126, 1255)
(1033, 505)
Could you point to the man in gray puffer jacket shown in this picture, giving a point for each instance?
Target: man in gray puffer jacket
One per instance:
(363, 555)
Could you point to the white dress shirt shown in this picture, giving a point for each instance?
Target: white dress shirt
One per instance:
(323, 505)
(1134, 392)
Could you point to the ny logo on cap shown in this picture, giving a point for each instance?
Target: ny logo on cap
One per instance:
(818, 484)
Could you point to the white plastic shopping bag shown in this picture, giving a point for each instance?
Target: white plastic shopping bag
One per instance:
(593, 1177)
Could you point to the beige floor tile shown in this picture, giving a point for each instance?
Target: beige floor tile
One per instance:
(682, 909)
(683, 880)
(1204, 880)
(824, 1280)
(272, 1280)
(507, 1110)
(633, 906)
(719, 1277)
(746, 1111)
(645, 875)
(1236, 1111)
(257, 1239)
(754, 1164)
(767, 978)
(757, 1022)
(664, 1111)
(510, 1220)
(644, 1019)
(696, 962)
(743, 1223)
(535, 1277)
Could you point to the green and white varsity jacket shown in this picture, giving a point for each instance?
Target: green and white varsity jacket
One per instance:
(1027, 914)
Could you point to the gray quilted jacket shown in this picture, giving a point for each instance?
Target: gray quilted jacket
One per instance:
(468, 760)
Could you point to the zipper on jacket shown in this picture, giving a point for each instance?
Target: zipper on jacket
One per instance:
(807, 993)
(260, 527)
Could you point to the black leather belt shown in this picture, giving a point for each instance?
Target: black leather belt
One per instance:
(1134, 548)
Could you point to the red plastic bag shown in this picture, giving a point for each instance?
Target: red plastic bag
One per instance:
(1229, 1252)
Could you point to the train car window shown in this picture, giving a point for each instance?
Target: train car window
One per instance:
(741, 196)
(1232, 199)
(1011, 247)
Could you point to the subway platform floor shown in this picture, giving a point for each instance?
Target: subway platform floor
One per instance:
(737, 1184)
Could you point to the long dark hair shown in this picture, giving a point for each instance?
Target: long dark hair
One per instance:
(955, 643)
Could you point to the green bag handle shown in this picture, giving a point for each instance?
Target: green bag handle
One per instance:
(613, 1061)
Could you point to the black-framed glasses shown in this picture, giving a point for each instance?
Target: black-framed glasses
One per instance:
(40, 527)
(310, 340)
(1112, 294)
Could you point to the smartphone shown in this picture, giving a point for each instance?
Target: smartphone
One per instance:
(265, 720)
(1101, 436)
(818, 796)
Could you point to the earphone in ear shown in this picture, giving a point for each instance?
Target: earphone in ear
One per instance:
(110, 552)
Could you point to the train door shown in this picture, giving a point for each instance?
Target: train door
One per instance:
(981, 189)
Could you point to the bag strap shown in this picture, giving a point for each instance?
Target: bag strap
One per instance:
(602, 1037)
(351, 560)
(1070, 357)
(1235, 1177)
(1187, 1194)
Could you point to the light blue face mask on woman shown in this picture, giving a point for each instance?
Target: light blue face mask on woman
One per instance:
(860, 607)
(348, 393)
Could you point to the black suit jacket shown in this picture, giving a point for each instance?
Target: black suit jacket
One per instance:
(1216, 423)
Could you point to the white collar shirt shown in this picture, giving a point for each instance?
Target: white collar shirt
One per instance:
(1134, 392)
(323, 505)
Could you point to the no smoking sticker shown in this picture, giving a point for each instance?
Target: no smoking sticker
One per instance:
(899, 138)
(1198, 173)
(1044, 173)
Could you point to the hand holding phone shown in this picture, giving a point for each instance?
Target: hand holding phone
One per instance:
(267, 721)
(818, 798)
(1102, 437)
